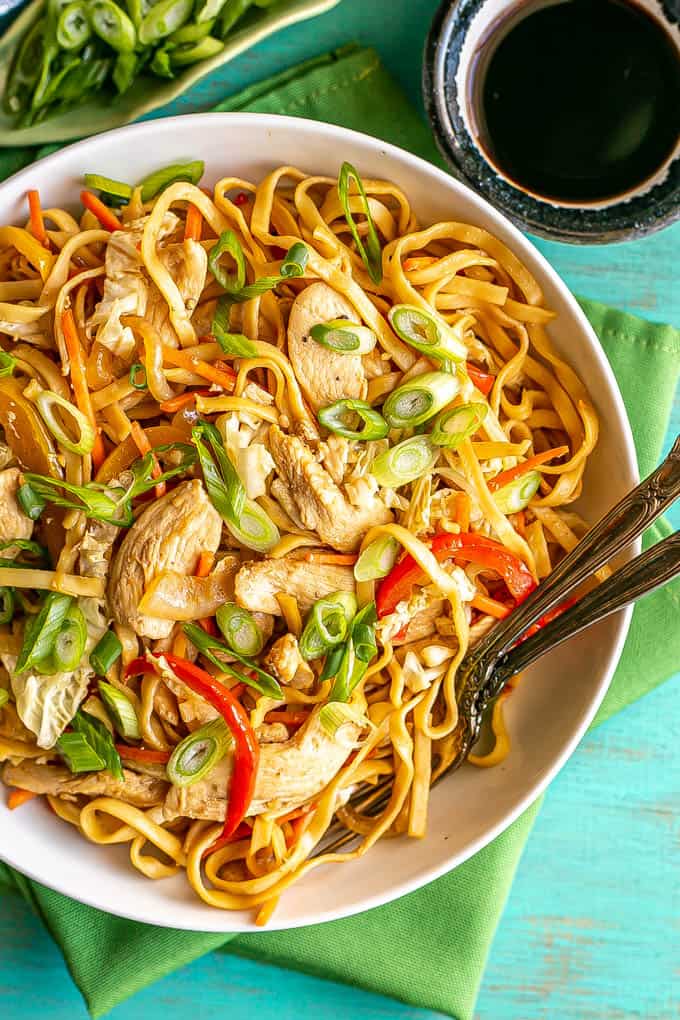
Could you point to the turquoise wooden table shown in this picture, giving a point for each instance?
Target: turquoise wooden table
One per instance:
(591, 928)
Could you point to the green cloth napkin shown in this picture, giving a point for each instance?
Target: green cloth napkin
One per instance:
(448, 925)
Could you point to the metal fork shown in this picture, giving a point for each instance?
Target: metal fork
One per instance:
(489, 665)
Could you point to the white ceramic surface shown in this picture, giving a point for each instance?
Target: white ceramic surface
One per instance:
(553, 706)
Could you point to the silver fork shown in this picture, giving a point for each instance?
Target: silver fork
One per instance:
(497, 657)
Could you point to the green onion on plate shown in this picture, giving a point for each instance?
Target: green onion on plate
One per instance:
(198, 753)
(452, 427)
(341, 416)
(419, 399)
(404, 462)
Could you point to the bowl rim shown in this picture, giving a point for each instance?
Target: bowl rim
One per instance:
(216, 920)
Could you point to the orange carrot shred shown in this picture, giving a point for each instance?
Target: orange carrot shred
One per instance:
(518, 521)
(463, 511)
(505, 477)
(175, 404)
(205, 564)
(339, 559)
(18, 797)
(79, 382)
(37, 222)
(224, 377)
(490, 606)
(193, 225)
(287, 717)
(108, 219)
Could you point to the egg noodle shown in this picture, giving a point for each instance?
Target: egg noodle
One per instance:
(229, 596)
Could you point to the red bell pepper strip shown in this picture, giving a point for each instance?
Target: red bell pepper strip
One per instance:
(483, 380)
(246, 747)
(398, 584)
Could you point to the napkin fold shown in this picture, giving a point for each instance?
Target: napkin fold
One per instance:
(446, 927)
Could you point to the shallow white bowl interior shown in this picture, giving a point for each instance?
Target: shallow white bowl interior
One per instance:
(550, 710)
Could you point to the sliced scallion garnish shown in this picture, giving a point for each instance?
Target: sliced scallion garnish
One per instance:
(344, 337)
(358, 652)
(93, 499)
(7, 364)
(404, 462)
(112, 24)
(107, 651)
(4, 697)
(293, 266)
(377, 559)
(336, 714)
(117, 189)
(240, 630)
(191, 172)
(225, 488)
(341, 416)
(6, 604)
(30, 502)
(73, 27)
(370, 250)
(327, 624)
(47, 402)
(419, 399)
(516, 495)
(231, 343)
(121, 711)
(198, 753)
(90, 748)
(452, 427)
(69, 644)
(41, 630)
(228, 243)
(427, 332)
(137, 376)
(207, 645)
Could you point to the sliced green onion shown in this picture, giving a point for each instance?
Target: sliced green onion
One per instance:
(231, 343)
(40, 632)
(30, 502)
(292, 266)
(344, 337)
(124, 71)
(7, 364)
(46, 401)
(142, 469)
(121, 710)
(338, 417)
(111, 23)
(94, 750)
(427, 332)
(514, 496)
(336, 714)
(240, 630)
(191, 53)
(93, 499)
(26, 545)
(163, 19)
(377, 559)
(73, 27)
(327, 624)
(162, 179)
(198, 753)
(78, 754)
(405, 462)
(137, 376)
(191, 33)
(4, 697)
(118, 189)
(231, 282)
(370, 251)
(256, 530)
(6, 604)
(452, 427)
(107, 651)
(207, 10)
(225, 488)
(420, 399)
(332, 663)
(263, 683)
(358, 652)
(69, 645)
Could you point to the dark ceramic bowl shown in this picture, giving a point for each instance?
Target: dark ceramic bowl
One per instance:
(458, 33)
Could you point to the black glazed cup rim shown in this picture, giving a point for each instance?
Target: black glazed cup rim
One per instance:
(621, 220)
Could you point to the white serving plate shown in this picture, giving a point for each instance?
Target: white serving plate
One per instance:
(551, 709)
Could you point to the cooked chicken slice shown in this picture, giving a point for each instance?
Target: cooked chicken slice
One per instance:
(320, 502)
(187, 263)
(272, 733)
(258, 583)
(13, 521)
(11, 726)
(142, 791)
(169, 536)
(324, 376)
(422, 624)
(286, 663)
(288, 774)
(95, 548)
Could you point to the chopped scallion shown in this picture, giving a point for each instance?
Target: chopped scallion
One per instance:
(420, 399)
(7, 364)
(46, 401)
(240, 630)
(327, 624)
(452, 427)
(118, 189)
(370, 250)
(427, 332)
(207, 645)
(137, 376)
(228, 243)
(6, 604)
(191, 172)
(343, 414)
(344, 337)
(377, 559)
(41, 630)
(404, 462)
(121, 711)
(93, 750)
(107, 651)
(516, 495)
(198, 753)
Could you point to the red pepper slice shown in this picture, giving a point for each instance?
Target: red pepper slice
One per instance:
(483, 380)
(143, 754)
(398, 584)
(247, 749)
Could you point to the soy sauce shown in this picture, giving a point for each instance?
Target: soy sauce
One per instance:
(580, 100)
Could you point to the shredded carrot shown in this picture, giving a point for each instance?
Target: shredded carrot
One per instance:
(108, 219)
(287, 717)
(79, 383)
(463, 511)
(37, 222)
(339, 559)
(265, 912)
(483, 380)
(505, 477)
(243, 832)
(193, 225)
(490, 606)
(189, 362)
(148, 754)
(205, 564)
(237, 690)
(298, 812)
(141, 441)
(175, 404)
(18, 797)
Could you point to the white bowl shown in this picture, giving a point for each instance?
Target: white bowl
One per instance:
(550, 710)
